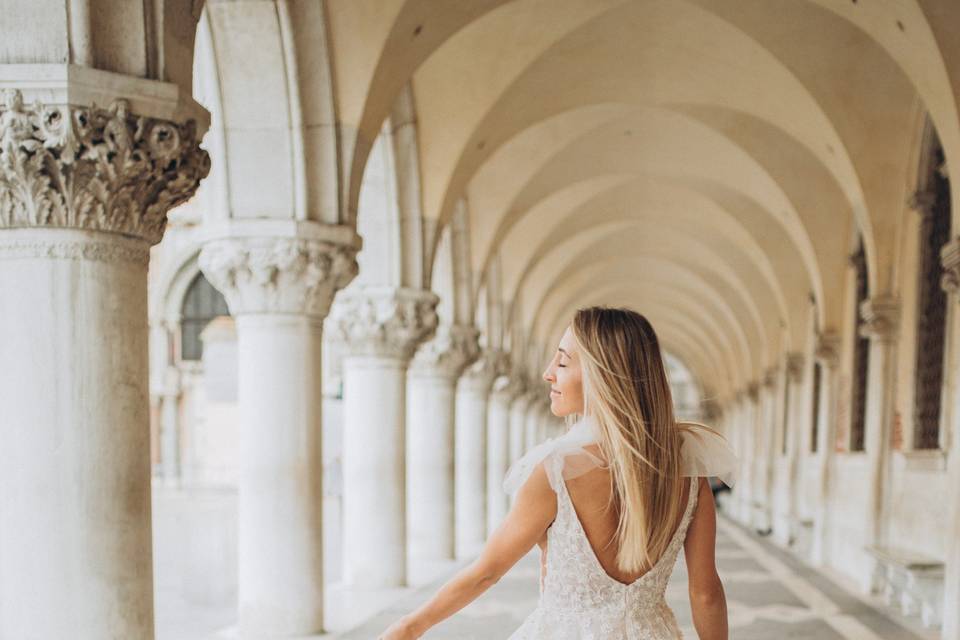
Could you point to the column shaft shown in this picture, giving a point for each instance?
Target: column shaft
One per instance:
(498, 456)
(470, 466)
(430, 459)
(374, 474)
(280, 473)
(75, 538)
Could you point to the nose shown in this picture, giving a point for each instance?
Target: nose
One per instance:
(547, 376)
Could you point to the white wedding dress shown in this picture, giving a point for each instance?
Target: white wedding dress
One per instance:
(578, 599)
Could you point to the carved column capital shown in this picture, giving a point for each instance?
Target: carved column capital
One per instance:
(922, 202)
(448, 353)
(93, 168)
(753, 391)
(795, 362)
(770, 377)
(950, 260)
(881, 318)
(481, 373)
(384, 321)
(278, 275)
(827, 350)
(508, 388)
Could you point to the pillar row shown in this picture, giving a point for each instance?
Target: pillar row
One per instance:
(431, 391)
(380, 328)
(84, 192)
(505, 389)
(279, 289)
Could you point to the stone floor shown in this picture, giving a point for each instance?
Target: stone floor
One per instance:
(770, 595)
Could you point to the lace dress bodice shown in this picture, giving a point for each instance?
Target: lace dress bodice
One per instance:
(580, 601)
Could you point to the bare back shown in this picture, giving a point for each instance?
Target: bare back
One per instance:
(590, 495)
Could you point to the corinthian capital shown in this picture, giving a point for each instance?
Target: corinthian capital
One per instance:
(278, 275)
(452, 349)
(481, 373)
(881, 318)
(101, 169)
(827, 349)
(384, 321)
(950, 259)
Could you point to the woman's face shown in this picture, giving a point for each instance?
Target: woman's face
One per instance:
(563, 374)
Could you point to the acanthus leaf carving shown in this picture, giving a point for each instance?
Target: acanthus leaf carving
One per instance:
(384, 321)
(93, 168)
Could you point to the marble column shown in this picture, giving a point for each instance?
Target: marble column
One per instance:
(793, 431)
(518, 422)
(766, 450)
(431, 392)
(498, 448)
(380, 328)
(881, 324)
(827, 353)
(534, 417)
(752, 425)
(279, 290)
(170, 427)
(950, 259)
(470, 456)
(84, 193)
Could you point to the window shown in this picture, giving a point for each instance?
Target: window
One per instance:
(933, 203)
(202, 304)
(861, 356)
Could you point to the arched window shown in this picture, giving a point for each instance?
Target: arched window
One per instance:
(861, 356)
(933, 203)
(202, 304)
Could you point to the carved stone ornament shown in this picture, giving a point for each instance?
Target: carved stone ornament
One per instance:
(449, 352)
(101, 169)
(827, 350)
(753, 391)
(481, 373)
(795, 366)
(922, 202)
(384, 321)
(881, 318)
(278, 275)
(508, 387)
(770, 377)
(950, 259)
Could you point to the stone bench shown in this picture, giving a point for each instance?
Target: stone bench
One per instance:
(911, 581)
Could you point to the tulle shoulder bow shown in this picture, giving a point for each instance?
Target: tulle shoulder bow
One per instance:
(704, 452)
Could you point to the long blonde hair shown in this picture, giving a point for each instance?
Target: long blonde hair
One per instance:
(626, 392)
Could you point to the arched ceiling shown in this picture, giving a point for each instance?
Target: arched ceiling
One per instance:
(707, 163)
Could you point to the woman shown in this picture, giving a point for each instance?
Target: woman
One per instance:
(609, 503)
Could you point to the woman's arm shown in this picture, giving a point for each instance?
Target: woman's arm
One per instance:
(708, 603)
(534, 508)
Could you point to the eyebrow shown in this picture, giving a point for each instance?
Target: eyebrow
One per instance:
(560, 349)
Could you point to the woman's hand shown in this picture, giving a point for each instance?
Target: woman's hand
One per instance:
(402, 629)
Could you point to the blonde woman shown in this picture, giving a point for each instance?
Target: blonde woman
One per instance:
(610, 502)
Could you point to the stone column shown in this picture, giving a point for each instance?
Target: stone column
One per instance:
(794, 430)
(518, 421)
(498, 448)
(752, 425)
(533, 418)
(881, 324)
(766, 450)
(84, 192)
(431, 391)
(170, 426)
(950, 258)
(470, 458)
(279, 289)
(381, 328)
(827, 353)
